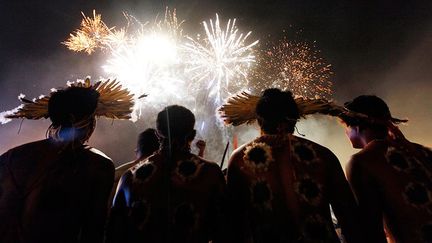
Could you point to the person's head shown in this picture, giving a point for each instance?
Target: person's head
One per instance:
(361, 131)
(176, 124)
(147, 143)
(72, 114)
(277, 112)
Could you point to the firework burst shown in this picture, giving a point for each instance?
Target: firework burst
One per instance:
(115, 39)
(89, 36)
(197, 71)
(148, 61)
(171, 25)
(221, 60)
(156, 57)
(293, 66)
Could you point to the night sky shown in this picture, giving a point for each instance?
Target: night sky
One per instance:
(377, 47)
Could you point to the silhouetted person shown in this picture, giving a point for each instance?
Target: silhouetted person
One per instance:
(172, 196)
(281, 185)
(147, 144)
(391, 177)
(56, 189)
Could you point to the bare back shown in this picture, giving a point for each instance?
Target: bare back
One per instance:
(281, 188)
(49, 195)
(159, 202)
(394, 183)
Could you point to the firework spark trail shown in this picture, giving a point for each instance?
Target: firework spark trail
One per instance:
(89, 36)
(148, 67)
(115, 39)
(171, 25)
(155, 58)
(145, 59)
(158, 59)
(221, 60)
(294, 66)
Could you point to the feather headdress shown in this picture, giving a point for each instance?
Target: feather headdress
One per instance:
(114, 102)
(240, 109)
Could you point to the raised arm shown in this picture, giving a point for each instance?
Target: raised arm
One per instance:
(201, 145)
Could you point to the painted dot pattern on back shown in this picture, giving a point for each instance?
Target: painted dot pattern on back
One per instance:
(417, 194)
(261, 194)
(304, 152)
(145, 171)
(397, 159)
(309, 190)
(257, 157)
(188, 169)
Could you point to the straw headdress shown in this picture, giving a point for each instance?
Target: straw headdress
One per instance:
(240, 109)
(114, 102)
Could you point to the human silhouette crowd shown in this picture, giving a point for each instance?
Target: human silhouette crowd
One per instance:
(279, 187)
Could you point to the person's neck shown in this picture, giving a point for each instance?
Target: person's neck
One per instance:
(369, 137)
(175, 148)
(278, 133)
(62, 145)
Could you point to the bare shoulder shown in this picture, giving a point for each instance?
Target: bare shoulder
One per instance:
(320, 151)
(124, 167)
(209, 170)
(372, 155)
(239, 151)
(211, 166)
(356, 162)
(98, 161)
(211, 175)
(100, 154)
(120, 170)
(237, 154)
(146, 169)
(30, 148)
(368, 161)
(126, 178)
(24, 159)
(427, 152)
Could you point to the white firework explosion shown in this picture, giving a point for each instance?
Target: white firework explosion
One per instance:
(220, 61)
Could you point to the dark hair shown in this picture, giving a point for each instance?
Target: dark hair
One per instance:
(148, 141)
(71, 105)
(175, 121)
(373, 107)
(276, 107)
